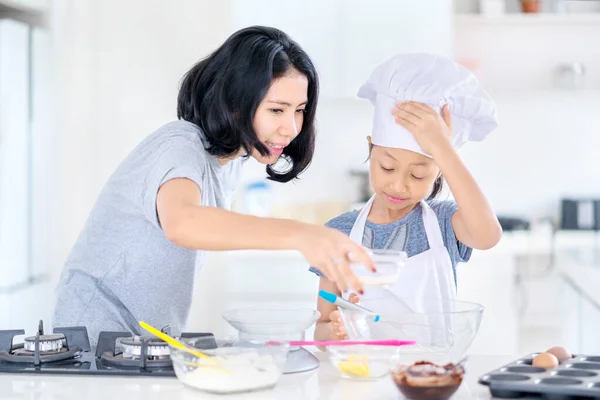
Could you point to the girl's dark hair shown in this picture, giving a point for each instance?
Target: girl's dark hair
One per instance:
(438, 184)
(221, 93)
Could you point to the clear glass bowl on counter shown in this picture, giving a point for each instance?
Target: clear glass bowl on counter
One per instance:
(278, 323)
(233, 366)
(360, 362)
(443, 329)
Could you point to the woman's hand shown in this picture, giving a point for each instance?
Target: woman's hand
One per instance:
(332, 252)
(430, 129)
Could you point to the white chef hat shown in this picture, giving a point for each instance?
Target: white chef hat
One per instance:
(434, 81)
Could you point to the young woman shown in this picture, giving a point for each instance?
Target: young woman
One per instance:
(255, 96)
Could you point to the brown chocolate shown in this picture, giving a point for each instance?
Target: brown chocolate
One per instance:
(425, 380)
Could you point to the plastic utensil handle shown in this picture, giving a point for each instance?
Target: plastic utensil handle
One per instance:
(341, 302)
(349, 343)
(183, 347)
(170, 340)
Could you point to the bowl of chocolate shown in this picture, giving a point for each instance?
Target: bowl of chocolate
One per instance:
(424, 380)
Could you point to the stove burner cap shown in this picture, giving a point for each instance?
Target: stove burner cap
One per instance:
(48, 343)
(156, 348)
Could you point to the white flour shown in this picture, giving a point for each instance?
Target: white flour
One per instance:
(379, 280)
(248, 371)
(385, 275)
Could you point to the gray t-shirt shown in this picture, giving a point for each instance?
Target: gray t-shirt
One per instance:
(122, 269)
(407, 234)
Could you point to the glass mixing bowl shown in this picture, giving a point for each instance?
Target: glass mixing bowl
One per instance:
(279, 323)
(443, 329)
(232, 366)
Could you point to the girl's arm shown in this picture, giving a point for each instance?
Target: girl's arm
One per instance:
(475, 223)
(329, 326)
(322, 327)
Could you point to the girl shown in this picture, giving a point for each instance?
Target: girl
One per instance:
(255, 96)
(412, 147)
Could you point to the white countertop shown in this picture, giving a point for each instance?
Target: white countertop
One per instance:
(581, 266)
(322, 383)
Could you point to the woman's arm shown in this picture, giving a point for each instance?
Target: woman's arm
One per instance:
(187, 223)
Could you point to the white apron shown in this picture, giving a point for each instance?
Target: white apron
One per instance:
(413, 308)
(426, 275)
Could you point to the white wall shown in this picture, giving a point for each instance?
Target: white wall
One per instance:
(546, 148)
(546, 142)
(545, 145)
(118, 68)
(540, 152)
(119, 65)
(141, 53)
(70, 148)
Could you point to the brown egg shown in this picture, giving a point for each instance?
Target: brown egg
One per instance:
(560, 352)
(545, 360)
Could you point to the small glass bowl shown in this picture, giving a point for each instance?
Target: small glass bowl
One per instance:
(362, 362)
(387, 263)
(232, 366)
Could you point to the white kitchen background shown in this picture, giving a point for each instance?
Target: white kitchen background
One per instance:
(82, 81)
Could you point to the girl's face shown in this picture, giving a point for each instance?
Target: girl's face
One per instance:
(279, 117)
(401, 178)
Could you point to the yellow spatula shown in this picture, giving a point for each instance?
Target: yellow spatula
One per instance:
(178, 344)
(172, 341)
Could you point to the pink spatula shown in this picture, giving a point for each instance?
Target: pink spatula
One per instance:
(349, 343)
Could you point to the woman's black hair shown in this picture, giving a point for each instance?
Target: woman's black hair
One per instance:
(438, 184)
(221, 93)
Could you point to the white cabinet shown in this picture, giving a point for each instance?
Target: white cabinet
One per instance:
(234, 279)
(580, 320)
(40, 146)
(24, 141)
(14, 153)
(31, 12)
(488, 279)
(26, 5)
(347, 39)
(590, 325)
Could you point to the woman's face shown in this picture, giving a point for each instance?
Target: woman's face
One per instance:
(279, 117)
(401, 178)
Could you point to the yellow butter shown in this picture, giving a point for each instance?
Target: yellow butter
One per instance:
(356, 365)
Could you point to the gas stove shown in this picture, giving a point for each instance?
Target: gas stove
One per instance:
(67, 351)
